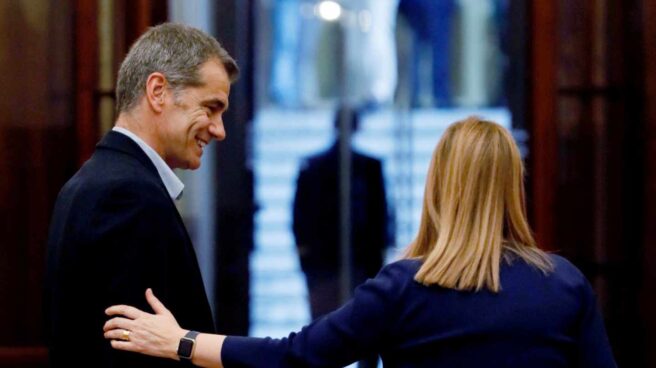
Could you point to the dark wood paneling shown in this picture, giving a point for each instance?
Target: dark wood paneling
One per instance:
(598, 204)
(37, 154)
(542, 165)
(591, 166)
(139, 15)
(576, 128)
(86, 70)
(23, 357)
(625, 173)
(648, 257)
(48, 127)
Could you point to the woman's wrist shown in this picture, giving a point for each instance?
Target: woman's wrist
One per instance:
(208, 350)
(175, 343)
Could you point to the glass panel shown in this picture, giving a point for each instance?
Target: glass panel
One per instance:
(409, 68)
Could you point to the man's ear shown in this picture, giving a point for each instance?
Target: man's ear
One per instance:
(156, 90)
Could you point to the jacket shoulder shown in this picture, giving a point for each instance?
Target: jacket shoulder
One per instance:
(568, 277)
(566, 270)
(400, 273)
(97, 191)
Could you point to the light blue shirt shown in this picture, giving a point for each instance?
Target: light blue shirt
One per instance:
(173, 185)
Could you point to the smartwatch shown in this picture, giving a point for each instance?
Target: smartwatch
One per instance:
(187, 344)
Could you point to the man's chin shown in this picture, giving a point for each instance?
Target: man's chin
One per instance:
(188, 165)
(193, 165)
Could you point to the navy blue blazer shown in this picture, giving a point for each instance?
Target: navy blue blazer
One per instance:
(115, 231)
(534, 321)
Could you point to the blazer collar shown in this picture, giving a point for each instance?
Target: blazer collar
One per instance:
(122, 143)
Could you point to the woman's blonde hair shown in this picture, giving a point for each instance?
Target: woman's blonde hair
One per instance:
(474, 210)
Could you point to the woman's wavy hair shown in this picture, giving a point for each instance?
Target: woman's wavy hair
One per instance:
(474, 211)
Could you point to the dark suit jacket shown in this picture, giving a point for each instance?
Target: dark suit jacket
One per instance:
(115, 232)
(316, 215)
(535, 321)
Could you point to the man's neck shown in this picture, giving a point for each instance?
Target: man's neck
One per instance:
(137, 127)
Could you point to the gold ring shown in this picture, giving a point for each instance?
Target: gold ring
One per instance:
(126, 335)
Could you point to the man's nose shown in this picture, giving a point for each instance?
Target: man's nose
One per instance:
(217, 130)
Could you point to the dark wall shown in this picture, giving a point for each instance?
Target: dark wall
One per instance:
(48, 127)
(647, 281)
(592, 163)
(37, 154)
(234, 28)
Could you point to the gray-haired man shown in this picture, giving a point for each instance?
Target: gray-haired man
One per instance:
(115, 229)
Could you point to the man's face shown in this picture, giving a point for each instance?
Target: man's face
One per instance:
(194, 117)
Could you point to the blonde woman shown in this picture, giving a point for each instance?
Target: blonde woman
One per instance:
(473, 290)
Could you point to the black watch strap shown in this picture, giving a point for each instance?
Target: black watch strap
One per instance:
(186, 346)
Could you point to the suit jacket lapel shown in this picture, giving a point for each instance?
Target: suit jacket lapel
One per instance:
(122, 143)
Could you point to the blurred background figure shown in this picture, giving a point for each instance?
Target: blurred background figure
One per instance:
(432, 25)
(316, 222)
(293, 66)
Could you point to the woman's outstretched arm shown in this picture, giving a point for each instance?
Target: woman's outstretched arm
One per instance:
(359, 328)
(158, 334)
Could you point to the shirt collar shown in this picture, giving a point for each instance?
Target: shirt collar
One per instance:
(173, 185)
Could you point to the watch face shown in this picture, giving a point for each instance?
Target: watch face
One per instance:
(185, 348)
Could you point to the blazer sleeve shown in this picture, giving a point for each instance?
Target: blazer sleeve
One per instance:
(131, 230)
(358, 329)
(594, 349)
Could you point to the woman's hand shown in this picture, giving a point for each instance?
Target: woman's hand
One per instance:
(151, 334)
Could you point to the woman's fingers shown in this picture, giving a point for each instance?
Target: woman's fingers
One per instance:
(157, 306)
(123, 345)
(138, 345)
(118, 323)
(131, 329)
(117, 334)
(124, 310)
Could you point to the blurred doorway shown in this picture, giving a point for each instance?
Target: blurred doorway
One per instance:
(375, 56)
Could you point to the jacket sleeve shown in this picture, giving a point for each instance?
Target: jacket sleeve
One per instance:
(344, 336)
(131, 249)
(594, 348)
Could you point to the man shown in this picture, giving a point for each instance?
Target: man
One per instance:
(316, 222)
(115, 230)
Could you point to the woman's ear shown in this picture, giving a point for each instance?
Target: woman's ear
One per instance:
(156, 91)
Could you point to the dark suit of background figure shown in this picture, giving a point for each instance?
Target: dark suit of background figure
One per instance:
(116, 232)
(316, 224)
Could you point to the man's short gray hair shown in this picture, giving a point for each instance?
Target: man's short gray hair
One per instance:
(175, 50)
